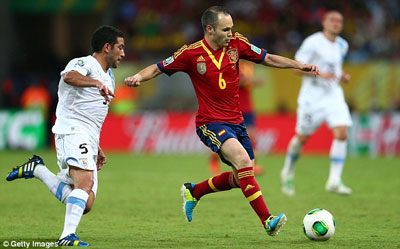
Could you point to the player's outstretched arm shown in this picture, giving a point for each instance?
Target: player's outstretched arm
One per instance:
(146, 74)
(74, 78)
(272, 60)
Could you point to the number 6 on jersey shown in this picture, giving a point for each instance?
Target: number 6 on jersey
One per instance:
(221, 82)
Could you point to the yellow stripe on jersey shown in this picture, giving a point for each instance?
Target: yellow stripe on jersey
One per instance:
(180, 51)
(211, 135)
(212, 57)
(211, 184)
(254, 196)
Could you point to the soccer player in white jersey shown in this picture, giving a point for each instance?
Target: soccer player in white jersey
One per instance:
(321, 100)
(85, 91)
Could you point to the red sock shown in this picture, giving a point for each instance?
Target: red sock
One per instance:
(252, 192)
(222, 182)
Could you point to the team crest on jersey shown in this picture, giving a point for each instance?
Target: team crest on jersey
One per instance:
(84, 161)
(233, 55)
(168, 61)
(201, 68)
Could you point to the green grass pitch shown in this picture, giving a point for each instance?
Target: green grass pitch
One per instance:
(139, 205)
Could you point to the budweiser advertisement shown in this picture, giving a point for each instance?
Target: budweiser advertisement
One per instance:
(162, 132)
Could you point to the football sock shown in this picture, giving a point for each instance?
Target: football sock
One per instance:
(76, 203)
(338, 155)
(293, 153)
(56, 187)
(252, 192)
(221, 182)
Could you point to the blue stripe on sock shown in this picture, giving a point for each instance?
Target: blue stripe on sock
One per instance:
(76, 201)
(337, 160)
(59, 190)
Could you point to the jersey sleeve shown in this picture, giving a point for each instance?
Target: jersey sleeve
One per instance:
(249, 51)
(81, 65)
(177, 62)
(305, 53)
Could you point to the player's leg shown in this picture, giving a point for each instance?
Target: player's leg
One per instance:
(76, 204)
(338, 119)
(233, 151)
(338, 154)
(35, 167)
(213, 136)
(288, 170)
(77, 159)
(308, 120)
(258, 170)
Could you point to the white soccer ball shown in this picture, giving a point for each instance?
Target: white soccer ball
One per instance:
(319, 224)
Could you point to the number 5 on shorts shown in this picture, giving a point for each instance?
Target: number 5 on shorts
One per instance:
(84, 148)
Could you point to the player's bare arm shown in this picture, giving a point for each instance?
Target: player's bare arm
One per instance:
(74, 78)
(144, 75)
(272, 60)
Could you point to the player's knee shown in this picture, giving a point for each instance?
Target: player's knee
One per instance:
(86, 185)
(341, 134)
(244, 161)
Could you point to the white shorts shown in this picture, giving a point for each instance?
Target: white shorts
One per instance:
(76, 150)
(310, 118)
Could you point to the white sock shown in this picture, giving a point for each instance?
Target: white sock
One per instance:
(338, 155)
(293, 153)
(76, 203)
(56, 187)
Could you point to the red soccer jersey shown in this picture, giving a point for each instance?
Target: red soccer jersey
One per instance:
(215, 76)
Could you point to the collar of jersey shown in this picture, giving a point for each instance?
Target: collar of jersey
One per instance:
(212, 57)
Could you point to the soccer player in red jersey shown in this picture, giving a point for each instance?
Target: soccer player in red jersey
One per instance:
(212, 65)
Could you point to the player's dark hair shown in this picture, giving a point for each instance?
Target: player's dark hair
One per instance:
(105, 34)
(210, 16)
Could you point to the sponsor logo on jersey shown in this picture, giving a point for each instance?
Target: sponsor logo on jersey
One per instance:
(168, 61)
(222, 132)
(201, 58)
(201, 68)
(233, 55)
(255, 49)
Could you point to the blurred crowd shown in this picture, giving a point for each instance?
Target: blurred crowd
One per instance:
(372, 27)
(154, 29)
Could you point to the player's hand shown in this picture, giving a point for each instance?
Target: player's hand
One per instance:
(310, 68)
(101, 159)
(105, 92)
(133, 81)
(345, 77)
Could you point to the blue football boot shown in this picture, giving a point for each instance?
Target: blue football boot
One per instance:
(26, 169)
(71, 240)
(274, 223)
(189, 201)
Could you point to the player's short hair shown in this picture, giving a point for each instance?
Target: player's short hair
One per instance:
(105, 34)
(330, 12)
(210, 16)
